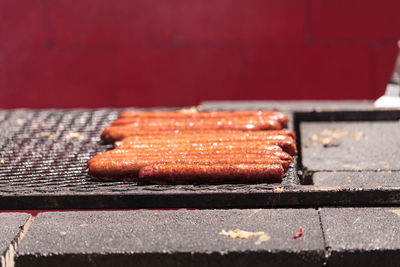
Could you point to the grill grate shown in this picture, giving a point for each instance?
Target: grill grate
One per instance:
(38, 157)
(38, 154)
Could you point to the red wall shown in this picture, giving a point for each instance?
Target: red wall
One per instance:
(63, 53)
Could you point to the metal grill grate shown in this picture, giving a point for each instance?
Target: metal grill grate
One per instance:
(41, 154)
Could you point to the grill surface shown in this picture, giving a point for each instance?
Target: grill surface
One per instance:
(43, 166)
(39, 157)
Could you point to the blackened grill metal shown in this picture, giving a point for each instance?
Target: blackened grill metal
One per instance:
(38, 155)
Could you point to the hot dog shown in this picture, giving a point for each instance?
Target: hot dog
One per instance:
(129, 168)
(204, 152)
(117, 153)
(221, 173)
(282, 118)
(287, 145)
(187, 121)
(194, 138)
(115, 133)
(245, 123)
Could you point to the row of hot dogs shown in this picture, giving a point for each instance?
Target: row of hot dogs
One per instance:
(196, 147)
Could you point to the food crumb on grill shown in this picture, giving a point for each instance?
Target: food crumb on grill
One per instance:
(262, 238)
(327, 137)
(35, 126)
(75, 135)
(20, 121)
(278, 190)
(328, 142)
(237, 233)
(396, 211)
(357, 135)
(48, 134)
(63, 233)
(389, 171)
(254, 212)
(337, 133)
(1, 161)
(314, 139)
(257, 210)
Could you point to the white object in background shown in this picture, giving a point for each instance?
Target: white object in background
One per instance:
(391, 98)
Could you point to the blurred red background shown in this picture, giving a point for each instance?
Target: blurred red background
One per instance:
(63, 53)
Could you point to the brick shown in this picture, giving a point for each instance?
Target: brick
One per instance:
(301, 72)
(248, 21)
(362, 236)
(182, 237)
(354, 21)
(107, 23)
(176, 77)
(364, 146)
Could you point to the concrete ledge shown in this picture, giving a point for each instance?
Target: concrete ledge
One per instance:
(170, 238)
(362, 236)
(370, 180)
(10, 226)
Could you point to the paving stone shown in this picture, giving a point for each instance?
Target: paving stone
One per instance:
(10, 226)
(362, 236)
(358, 179)
(181, 237)
(357, 146)
(289, 105)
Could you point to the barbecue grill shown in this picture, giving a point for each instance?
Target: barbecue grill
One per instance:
(44, 154)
